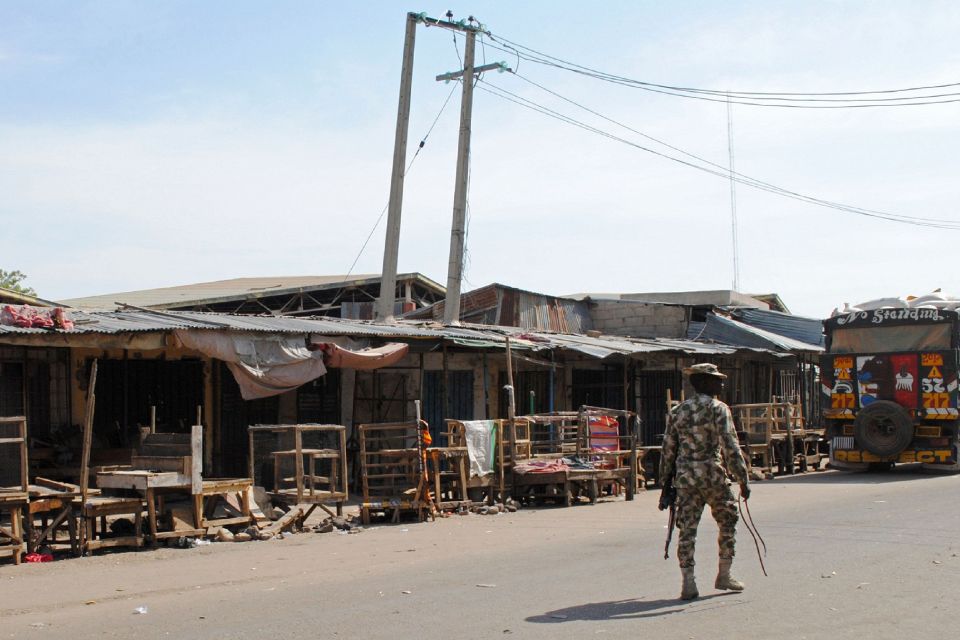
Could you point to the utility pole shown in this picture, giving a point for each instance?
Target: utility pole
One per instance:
(451, 307)
(391, 249)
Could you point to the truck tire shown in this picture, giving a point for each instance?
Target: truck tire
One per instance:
(883, 428)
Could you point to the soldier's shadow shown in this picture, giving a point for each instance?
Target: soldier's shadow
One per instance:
(630, 609)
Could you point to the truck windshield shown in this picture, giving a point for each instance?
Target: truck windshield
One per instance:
(932, 337)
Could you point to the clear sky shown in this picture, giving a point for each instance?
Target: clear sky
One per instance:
(163, 143)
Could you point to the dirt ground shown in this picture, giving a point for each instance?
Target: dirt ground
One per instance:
(849, 555)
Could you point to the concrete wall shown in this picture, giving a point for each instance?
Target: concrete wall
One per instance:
(639, 319)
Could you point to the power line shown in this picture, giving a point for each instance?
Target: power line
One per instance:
(794, 100)
(722, 172)
(725, 169)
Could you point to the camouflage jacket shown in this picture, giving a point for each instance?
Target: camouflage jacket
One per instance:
(701, 441)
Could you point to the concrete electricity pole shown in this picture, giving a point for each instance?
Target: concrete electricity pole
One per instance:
(391, 249)
(388, 282)
(451, 308)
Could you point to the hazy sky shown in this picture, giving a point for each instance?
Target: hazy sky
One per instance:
(155, 144)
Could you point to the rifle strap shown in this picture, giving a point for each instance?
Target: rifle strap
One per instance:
(752, 528)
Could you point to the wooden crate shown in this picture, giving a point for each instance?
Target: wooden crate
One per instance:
(392, 470)
(309, 463)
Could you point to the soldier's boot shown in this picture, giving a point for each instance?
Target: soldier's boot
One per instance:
(724, 580)
(689, 589)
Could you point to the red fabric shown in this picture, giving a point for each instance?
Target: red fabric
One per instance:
(14, 315)
(906, 379)
(364, 359)
(604, 433)
(38, 557)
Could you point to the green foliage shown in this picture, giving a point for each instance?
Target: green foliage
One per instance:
(12, 280)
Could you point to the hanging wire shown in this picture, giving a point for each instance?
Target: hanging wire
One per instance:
(423, 142)
(795, 100)
(712, 168)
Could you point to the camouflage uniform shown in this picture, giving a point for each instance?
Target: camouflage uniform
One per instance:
(700, 441)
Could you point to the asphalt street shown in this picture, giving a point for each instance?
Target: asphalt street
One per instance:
(849, 556)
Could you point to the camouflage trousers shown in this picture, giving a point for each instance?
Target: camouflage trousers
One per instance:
(690, 503)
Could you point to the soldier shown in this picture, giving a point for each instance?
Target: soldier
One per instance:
(701, 441)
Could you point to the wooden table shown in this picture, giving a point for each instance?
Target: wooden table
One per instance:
(458, 460)
(14, 502)
(150, 484)
(302, 487)
(53, 502)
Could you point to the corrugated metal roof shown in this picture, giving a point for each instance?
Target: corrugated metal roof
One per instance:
(807, 330)
(155, 321)
(142, 321)
(508, 306)
(727, 331)
(233, 289)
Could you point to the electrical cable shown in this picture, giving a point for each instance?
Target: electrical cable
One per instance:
(796, 100)
(720, 171)
(406, 172)
(720, 167)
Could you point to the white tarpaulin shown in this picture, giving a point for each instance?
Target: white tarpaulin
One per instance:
(481, 438)
(263, 365)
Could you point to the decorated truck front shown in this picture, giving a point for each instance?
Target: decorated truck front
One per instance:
(889, 384)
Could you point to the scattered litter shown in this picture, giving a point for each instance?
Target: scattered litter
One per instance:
(38, 557)
(833, 609)
(937, 562)
(404, 530)
(879, 501)
(201, 542)
(38, 624)
(140, 610)
(90, 602)
(406, 592)
(558, 616)
(487, 586)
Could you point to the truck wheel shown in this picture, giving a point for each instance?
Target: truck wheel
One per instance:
(883, 428)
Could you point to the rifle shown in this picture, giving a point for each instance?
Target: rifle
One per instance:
(668, 500)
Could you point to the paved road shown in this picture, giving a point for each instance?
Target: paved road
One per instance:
(851, 556)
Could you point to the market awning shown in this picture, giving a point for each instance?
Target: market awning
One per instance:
(362, 359)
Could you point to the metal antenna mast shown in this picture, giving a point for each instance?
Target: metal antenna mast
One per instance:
(733, 199)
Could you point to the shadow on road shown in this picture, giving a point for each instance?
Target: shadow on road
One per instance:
(631, 609)
(900, 473)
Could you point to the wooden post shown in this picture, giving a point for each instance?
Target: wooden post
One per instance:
(787, 415)
(251, 465)
(511, 412)
(153, 418)
(196, 459)
(298, 441)
(24, 462)
(88, 432)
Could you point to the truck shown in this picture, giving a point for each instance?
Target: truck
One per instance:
(889, 388)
